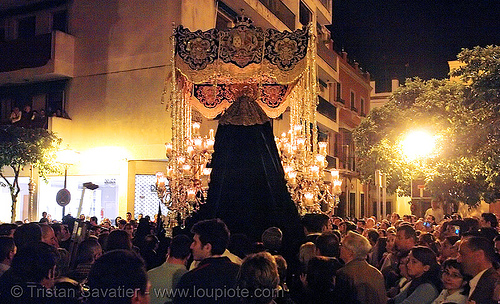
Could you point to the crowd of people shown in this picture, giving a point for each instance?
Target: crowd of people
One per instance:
(437, 259)
(29, 118)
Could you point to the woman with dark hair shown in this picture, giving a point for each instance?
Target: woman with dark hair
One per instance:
(143, 230)
(427, 239)
(118, 239)
(423, 269)
(455, 283)
(259, 276)
(378, 251)
(318, 281)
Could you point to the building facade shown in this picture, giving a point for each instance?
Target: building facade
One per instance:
(101, 67)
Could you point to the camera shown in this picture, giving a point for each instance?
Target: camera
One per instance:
(427, 224)
(456, 229)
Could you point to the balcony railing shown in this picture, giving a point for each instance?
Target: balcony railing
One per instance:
(327, 109)
(327, 55)
(281, 11)
(25, 53)
(38, 58)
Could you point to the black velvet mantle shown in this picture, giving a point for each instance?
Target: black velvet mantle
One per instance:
(247, 185)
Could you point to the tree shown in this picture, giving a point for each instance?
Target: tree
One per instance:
(21, 147)
(465, 119)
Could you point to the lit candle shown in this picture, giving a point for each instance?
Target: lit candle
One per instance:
(196, 128)
(211, 134)
(170, 172)
(315, 171)
(210, 145)
(320, 159)
(308, 198)
(169, 148)
(301, 143)
(191, 194)
(297, 129)
(160, 180)
(322, 147)
(335, 174)
(190, 150)
(337, 187)
(207, 171)
(186, 168)
(198, 143)
(292, 178)
(288, 148)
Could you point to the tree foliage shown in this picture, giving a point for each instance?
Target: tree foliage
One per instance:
(465, 120)
(20, 147)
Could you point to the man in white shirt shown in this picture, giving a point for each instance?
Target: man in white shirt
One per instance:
(436, 210)
(476, 255)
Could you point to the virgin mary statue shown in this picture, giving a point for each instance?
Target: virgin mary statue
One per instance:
(248, 189)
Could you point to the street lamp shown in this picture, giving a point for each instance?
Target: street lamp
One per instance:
(417, 146)
(66, 157)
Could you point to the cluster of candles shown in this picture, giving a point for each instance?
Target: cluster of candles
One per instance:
(187, 174)
(305, 171)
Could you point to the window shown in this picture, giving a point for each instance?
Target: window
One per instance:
(42, 95)
(60, 21)
(322, 83)
(322, 135)
(339, 93)
(305, 14)
(55, 101)
(352, 204)
(3, 31)
(222, 22)
(362, 207)
(362, 107)
(225, 16)
(26, 27)
(353, 101)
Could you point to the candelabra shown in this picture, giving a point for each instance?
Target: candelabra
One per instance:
(184, 186)
(305, 174)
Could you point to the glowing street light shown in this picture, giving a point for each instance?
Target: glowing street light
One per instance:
(418, 144)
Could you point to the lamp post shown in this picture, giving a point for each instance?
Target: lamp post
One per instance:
(66, 157)
(381, 185)
(417, 146)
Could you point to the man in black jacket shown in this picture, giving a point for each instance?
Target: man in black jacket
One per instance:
(477, 255)
(214, 280)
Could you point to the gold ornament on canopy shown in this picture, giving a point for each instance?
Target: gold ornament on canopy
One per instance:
(210, 70)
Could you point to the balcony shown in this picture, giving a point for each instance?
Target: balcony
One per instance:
(327, 55)
(327, 109)
(281, 11)
(327, 4)
(43, 57)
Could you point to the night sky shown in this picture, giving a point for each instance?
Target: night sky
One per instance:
(407, 38)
